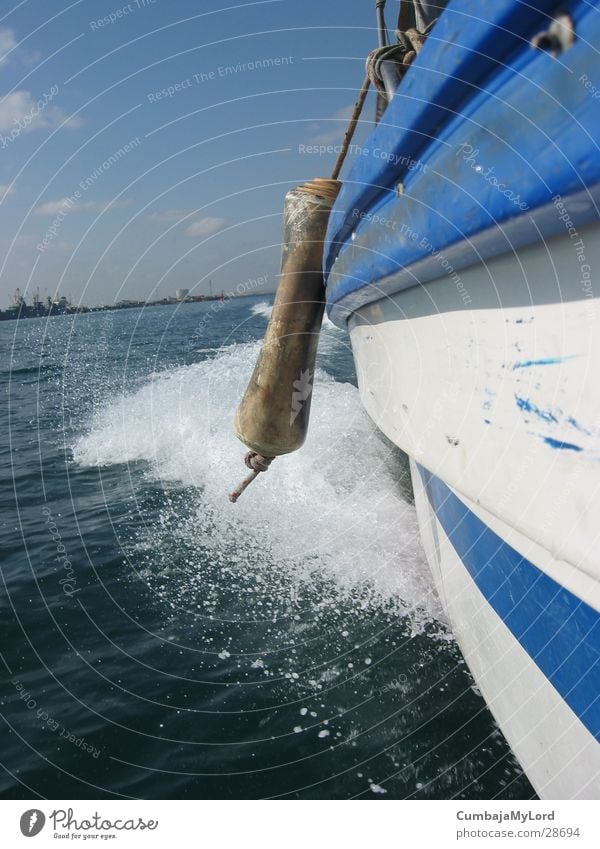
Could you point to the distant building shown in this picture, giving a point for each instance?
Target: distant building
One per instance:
(181, 294)
(18, 301)
(49, 306)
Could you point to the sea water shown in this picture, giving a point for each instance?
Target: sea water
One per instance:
(160, 642)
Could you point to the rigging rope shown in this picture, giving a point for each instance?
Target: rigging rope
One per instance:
(351, 127)
(402, 54)
(410, 40)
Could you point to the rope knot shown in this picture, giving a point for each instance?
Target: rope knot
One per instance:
(402, 54)
(257, 463)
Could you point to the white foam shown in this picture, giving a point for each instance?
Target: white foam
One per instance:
(263, 309)
(333, 510)
(328, 323)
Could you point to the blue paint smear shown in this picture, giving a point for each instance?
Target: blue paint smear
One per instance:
(574, 423)
(546, 361)
(557, 443)
(526, 405)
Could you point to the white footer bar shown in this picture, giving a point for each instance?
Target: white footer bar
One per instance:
(300, 825)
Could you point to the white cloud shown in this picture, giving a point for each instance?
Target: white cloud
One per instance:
(62, 247)
(205, 226)
(25, 240)
(7, 43)
(54, 207)
(57, 116)
(335, 128)
(20, 110)
(30, 60)
(13, 107)
(168, 215)
(28, 240)
(5, 191)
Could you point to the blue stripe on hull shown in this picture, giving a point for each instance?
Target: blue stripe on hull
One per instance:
(559, 631)
(482, 133)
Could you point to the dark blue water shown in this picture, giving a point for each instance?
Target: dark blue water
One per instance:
(159, 642)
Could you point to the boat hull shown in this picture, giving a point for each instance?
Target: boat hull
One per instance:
(504, 611)
(461, 254)
(498, 409)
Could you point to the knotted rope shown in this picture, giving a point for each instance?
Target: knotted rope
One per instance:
(258, 464)
(409, 45)
(410, 42)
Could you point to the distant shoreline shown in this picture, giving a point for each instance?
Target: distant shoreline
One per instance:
(25, 311)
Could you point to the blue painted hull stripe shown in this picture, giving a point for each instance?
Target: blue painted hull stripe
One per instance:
(482, 133)
(559, 631)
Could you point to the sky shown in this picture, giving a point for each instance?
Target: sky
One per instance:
(147, 146)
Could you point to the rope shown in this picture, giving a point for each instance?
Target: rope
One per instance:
(427, 12)
(404, 15)
(410, 42)
(409, 45)
(258, 464)
(351, 127)
(381, 27)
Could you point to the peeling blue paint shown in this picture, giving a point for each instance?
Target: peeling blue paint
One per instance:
(487, 404)
(529, 407)
(574, 423)
(544, 361)
(547, 361)
(558, 443)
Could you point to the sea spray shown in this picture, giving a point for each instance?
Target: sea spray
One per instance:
(335, 508)
(262, 309)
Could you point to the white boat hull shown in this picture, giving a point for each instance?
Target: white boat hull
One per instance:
(496, 401)
(559, 754)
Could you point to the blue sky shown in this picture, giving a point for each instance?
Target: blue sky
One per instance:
(146, 146)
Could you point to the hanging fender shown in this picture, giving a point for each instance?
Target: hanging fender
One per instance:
(273, 415)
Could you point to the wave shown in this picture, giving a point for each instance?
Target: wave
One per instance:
(333, 511)
(264, 309)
